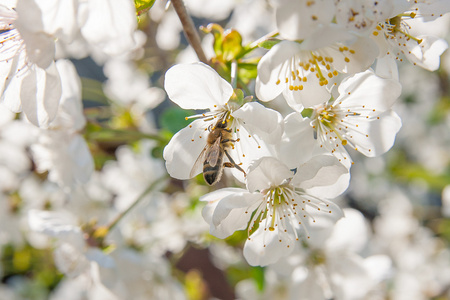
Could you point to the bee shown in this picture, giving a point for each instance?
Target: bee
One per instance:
(218, 142)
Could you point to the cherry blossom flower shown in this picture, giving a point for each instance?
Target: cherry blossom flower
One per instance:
(388, 24)
(276, 205)
(361, 117)
(395, 41)
(73, 255)
(302, 71)
(198, 86)
(29, 80)
(331, 267)
(60, 149)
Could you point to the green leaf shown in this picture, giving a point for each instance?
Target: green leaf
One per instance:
(232, 45)
(217, 32)
(143, 6)
(247, 71)
(174, 119)
(269, 43)
(307, 112)
(257, 274)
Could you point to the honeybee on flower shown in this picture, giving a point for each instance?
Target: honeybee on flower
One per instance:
(251, 128)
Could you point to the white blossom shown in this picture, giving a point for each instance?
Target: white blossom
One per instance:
(197, 86)
(276, 205)
(29, 80)
(303, 71)
(361, 117)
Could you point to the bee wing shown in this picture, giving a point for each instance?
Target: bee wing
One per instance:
(198, 165)
(213, 153)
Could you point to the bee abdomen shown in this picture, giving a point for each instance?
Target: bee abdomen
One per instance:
(212, 174)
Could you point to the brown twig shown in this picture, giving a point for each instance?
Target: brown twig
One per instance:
(189, 29)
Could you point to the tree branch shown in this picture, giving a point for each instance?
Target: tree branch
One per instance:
(189, 29)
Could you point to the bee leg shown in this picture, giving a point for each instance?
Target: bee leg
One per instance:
(232, 164)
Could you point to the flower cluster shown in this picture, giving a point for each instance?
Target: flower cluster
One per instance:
(101, 195)
(291, 168)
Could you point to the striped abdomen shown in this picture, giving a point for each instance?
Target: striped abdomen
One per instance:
(212, 174)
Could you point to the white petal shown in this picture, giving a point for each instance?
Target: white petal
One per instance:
(269, 70)
(59, 18)
(431, 10)
(70, 115)
(350, 280)
(11, 95)
(378, 266)
(264, 122)
(81, 159)
(70, 260)
(265, 173)
(376, 137)
(213, 199)
(65, 156)
(266, 247)
(350, 233)
(39, 44)
(101, 258)
(326, 36)
(322, 176)
(296, 20)
(311, 95)
(386, 67)
(249, 148)
(364, 53)
(320, 230)
(181, 152)
(427, 54)
(367, 89)
(60, 225)
(219, 194)
(8, 69)
(233, 212)
(196, 86)
(298, 144)
(40, 94)
(109, 25)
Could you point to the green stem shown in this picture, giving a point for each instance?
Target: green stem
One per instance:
(133, 205)
(109, 135)
(234, 68)
(262, 39)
